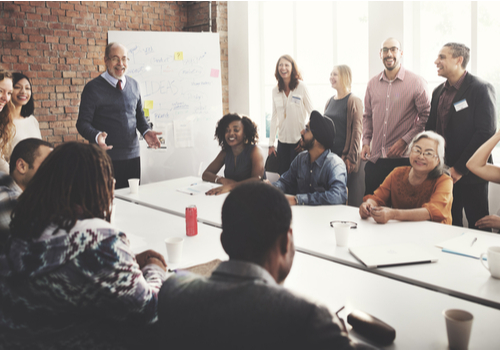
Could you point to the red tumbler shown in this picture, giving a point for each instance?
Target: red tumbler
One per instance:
(191, 220)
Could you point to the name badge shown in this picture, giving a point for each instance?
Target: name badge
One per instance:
(296, 99)
(460, 105)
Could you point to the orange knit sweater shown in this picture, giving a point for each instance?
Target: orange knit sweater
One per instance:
(433, 194)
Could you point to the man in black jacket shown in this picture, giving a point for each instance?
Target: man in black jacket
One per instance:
(463, 112)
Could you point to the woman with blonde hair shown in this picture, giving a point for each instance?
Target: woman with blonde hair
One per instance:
(291, 108)
(7, 129)
(346, 112)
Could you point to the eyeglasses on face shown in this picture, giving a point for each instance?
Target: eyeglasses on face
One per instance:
(393, 49)
(307, 128)
(427, 154)
(116, 59)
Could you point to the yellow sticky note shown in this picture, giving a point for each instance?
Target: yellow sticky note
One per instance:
(148, 104)
(146, 112)
(179, 56)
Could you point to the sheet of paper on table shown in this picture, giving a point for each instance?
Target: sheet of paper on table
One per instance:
(198, 188)
(469, 244)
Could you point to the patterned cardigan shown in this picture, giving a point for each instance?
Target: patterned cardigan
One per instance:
(66, 279)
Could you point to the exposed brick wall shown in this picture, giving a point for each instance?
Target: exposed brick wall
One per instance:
(60, 46)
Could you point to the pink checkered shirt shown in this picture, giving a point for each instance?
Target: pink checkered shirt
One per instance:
(394, 110)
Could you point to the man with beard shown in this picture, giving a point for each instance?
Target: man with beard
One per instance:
(317, 176)
(111, 112)
(397, 105)
(463, 112)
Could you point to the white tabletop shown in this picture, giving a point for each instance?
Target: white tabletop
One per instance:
(164, 196)
(147, 229)
(452, 274)
(414, 312)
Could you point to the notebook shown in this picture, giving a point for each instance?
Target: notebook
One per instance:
(392, 255)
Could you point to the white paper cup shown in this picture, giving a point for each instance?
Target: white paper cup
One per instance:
(342, 233)
(493, 267)
(134, 185)
(174, 249)
(458, 327)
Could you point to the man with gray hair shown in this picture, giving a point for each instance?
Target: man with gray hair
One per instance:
(463, 112)
(111, 112)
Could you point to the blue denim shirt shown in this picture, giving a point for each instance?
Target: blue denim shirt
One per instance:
(321, 183)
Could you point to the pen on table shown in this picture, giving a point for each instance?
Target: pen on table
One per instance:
(473, 241)
(174, 271)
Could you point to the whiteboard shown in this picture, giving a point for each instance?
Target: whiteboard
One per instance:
(179, 77)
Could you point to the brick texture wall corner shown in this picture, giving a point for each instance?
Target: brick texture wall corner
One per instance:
(60, 46)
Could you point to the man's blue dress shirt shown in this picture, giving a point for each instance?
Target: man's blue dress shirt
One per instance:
(321, 183)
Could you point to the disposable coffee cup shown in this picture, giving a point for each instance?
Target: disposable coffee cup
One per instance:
(342, 233)
(134, 185)
(458, 327)
(493, 254)
(174, 249)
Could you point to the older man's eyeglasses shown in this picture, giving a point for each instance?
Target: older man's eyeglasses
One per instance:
(116, 59)
(427, 154)
(393, 49)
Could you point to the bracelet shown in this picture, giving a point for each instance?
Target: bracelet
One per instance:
(216, 178)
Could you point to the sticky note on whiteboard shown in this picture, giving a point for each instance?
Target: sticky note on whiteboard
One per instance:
(179, 56)
(146, 112)
(148, 104)
(214, 73)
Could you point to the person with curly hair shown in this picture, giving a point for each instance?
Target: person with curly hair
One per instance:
(7, 129)
(24, 106)
(67, 274)
(291, 107)
(243, 161)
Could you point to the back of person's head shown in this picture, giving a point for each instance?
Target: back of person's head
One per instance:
(26, 150)
(254, 216)
(74, 182)
(29, 108)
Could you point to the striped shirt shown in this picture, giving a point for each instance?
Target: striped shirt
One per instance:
(394, 110)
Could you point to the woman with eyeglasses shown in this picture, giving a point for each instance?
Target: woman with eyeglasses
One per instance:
(24, 106)
(291, 108)
(419, 192)
(346, 112)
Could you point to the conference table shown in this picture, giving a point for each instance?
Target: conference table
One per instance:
(455, 275)
(415, 313)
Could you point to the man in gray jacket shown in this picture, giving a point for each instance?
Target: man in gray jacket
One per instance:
(242, 305)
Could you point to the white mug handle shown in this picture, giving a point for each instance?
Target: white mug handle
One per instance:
(482, 261)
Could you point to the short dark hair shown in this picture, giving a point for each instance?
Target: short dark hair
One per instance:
(29, 108)
(458, 50)
(74, 182)
(249, 129)
(26, 150)
(254, 216)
